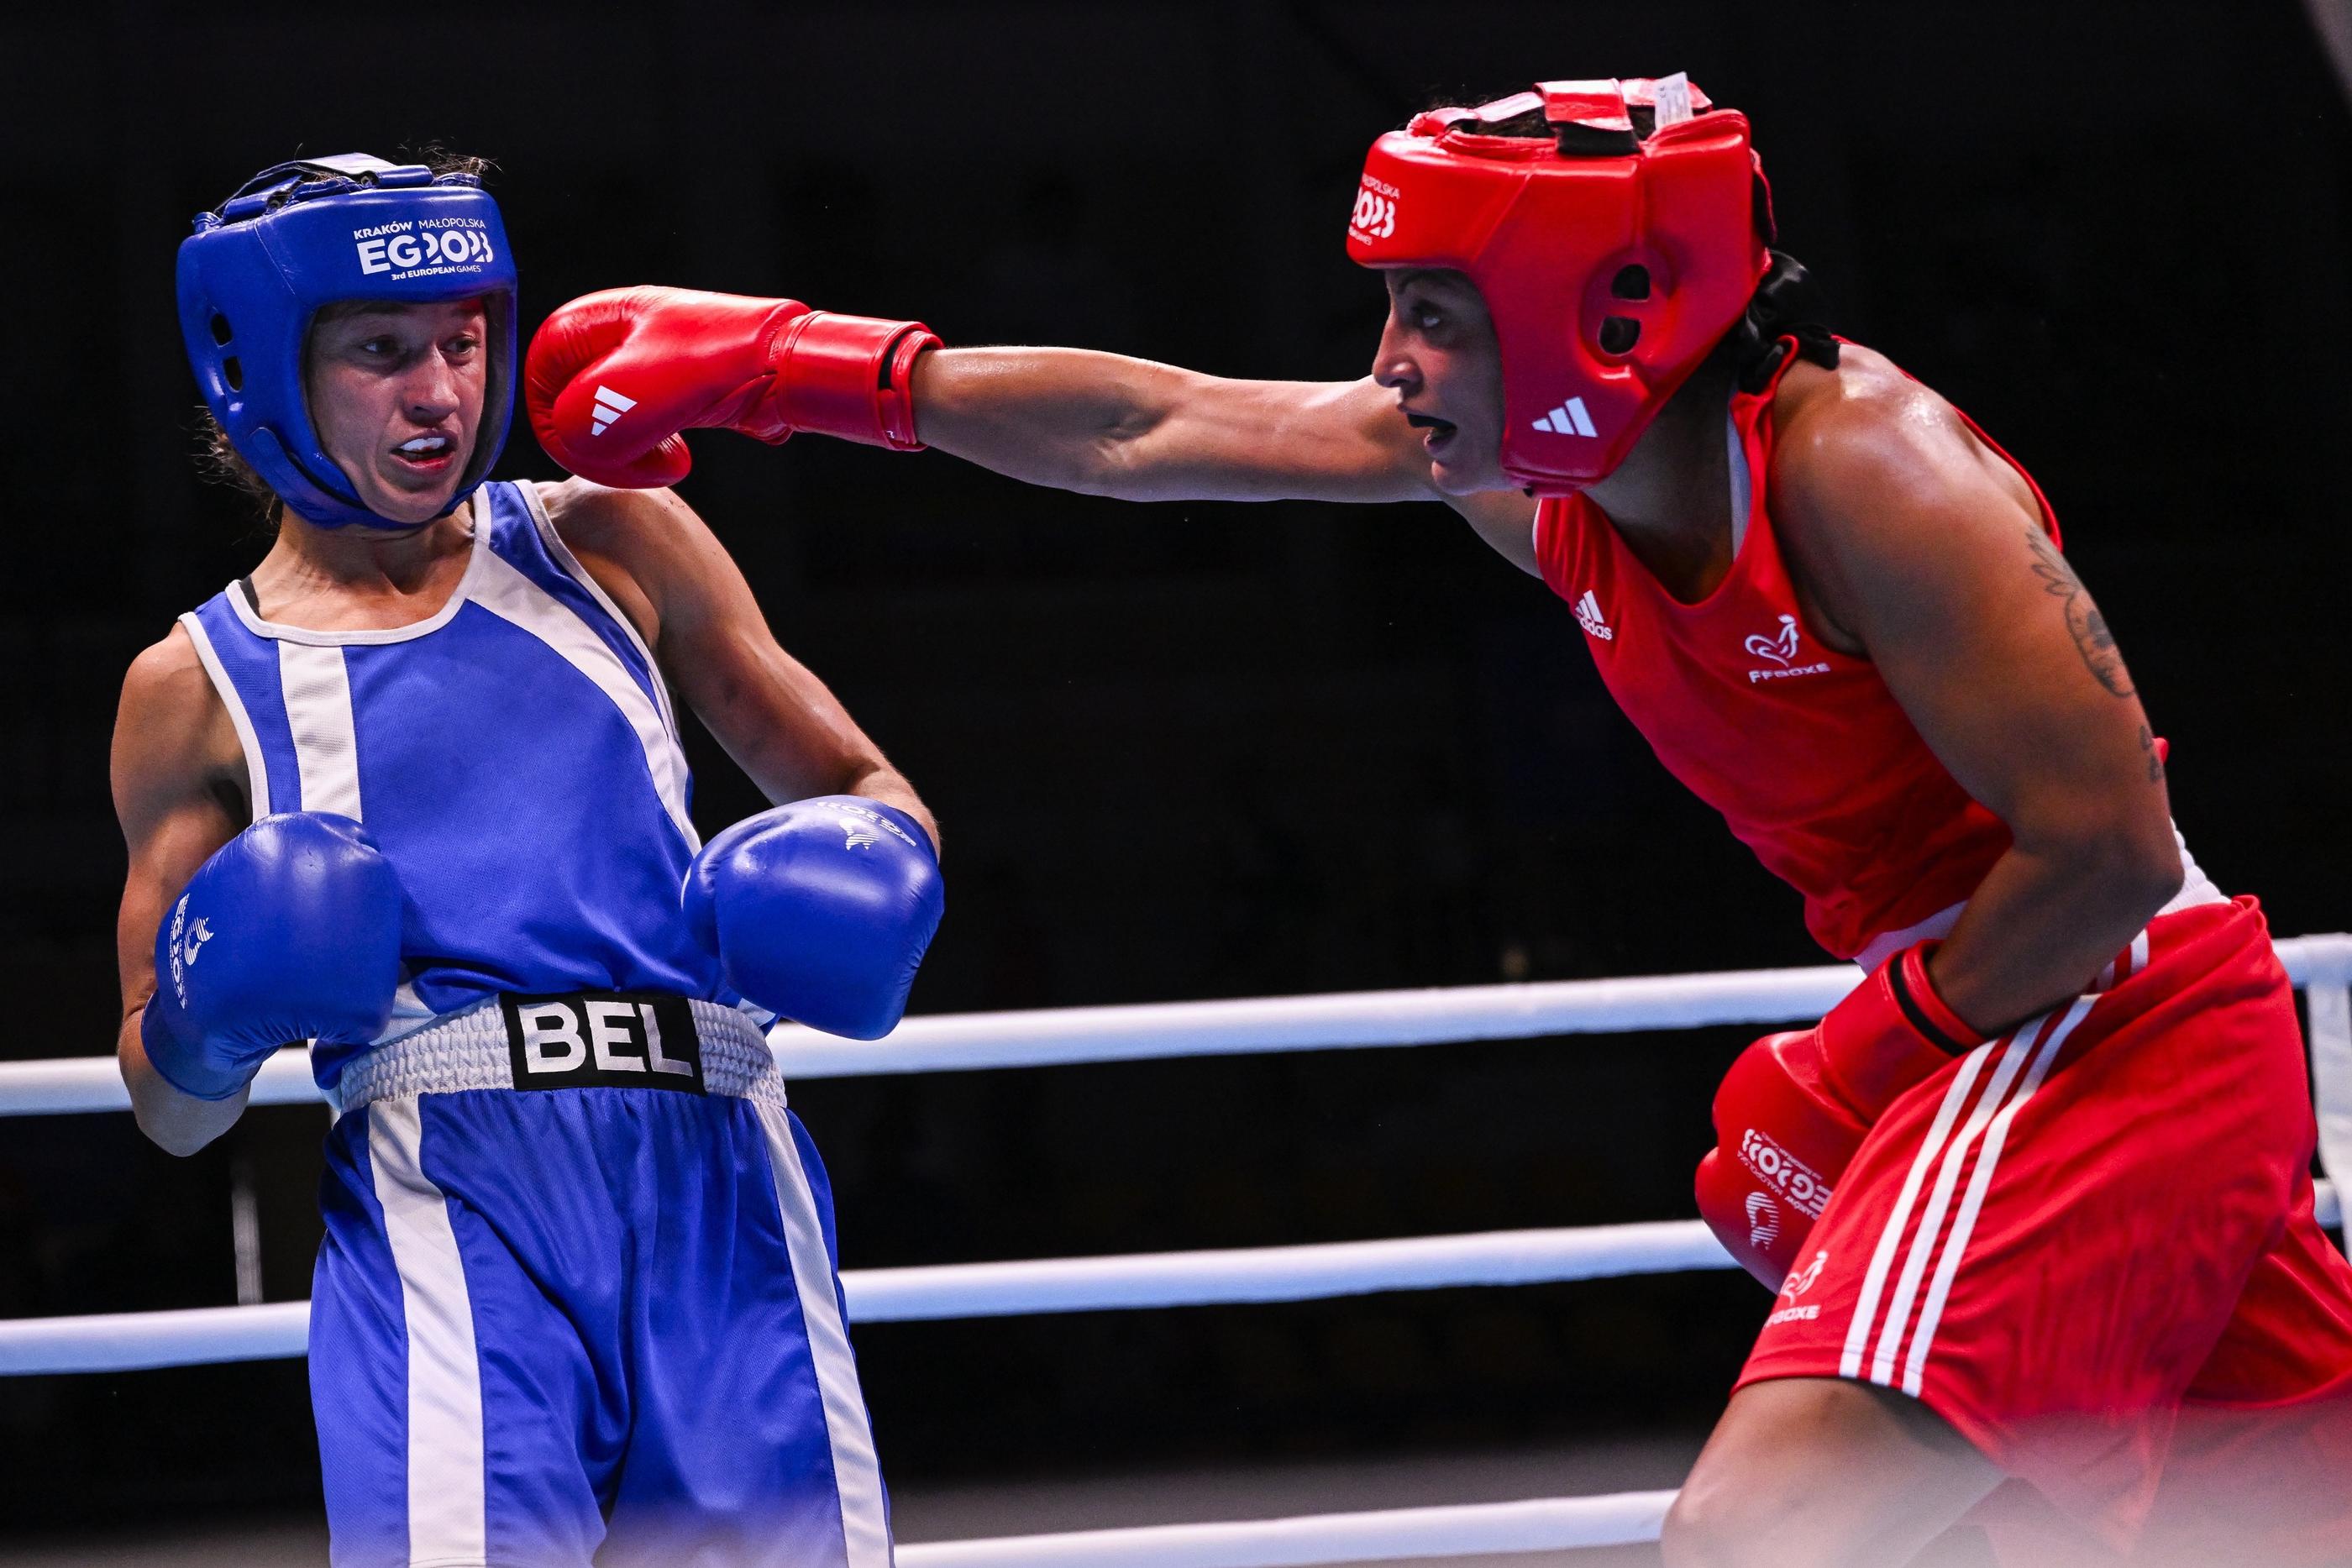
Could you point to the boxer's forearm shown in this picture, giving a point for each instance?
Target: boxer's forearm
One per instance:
(1104, 424)
(2043, 923)
(176, 1122)
(1058, 417)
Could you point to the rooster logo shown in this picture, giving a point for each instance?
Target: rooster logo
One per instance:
(1782, 648)
(1802, 1280)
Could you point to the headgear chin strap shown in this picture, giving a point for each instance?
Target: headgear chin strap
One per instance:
(1612, 261)
(304, 235)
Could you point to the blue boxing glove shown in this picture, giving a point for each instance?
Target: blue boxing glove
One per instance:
(290, 931)
(820, 910)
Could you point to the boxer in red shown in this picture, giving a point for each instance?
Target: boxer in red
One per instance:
(2040, 1185)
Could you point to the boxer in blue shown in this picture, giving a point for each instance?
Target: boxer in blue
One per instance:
(413, 791)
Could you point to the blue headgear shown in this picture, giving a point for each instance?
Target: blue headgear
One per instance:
(304, 235)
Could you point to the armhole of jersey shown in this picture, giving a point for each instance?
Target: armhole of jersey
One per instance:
(1541, 533)
(561, 553)
(1742, 483)
(257, 770)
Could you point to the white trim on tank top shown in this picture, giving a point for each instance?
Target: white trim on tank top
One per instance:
(280, 632)
(256, 767)
(563, 558)
(505, 591)
(316, 690)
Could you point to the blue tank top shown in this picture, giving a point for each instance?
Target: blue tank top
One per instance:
(514, 756)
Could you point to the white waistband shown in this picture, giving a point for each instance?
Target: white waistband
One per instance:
(468, 1050)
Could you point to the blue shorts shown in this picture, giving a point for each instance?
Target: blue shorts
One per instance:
(573, 1324)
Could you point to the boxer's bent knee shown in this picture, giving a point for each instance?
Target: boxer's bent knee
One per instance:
(1817, 1471)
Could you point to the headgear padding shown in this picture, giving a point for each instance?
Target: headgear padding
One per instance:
(1611, 261)
(305, 235)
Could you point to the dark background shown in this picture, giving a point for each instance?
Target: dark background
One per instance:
(1179, 750)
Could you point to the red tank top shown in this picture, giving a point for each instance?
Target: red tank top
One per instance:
(1803, 749)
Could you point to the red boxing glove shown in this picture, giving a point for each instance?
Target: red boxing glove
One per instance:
(1794, 1107)
(613, 378)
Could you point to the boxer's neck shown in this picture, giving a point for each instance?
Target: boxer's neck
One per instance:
(356, 578)
(1670, 500)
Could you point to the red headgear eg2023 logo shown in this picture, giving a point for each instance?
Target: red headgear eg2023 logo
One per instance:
(1376, 210)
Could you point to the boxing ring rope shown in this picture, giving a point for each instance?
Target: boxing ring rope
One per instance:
(951, 1042)
(2321, 966)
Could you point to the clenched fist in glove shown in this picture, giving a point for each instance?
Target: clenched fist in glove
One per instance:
(820, 910)
(612, 379)
(1794, 1107)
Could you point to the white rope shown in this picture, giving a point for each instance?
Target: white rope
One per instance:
(959, 1041)
(126, 1342)
(1280, 1273)
(1548, 1524)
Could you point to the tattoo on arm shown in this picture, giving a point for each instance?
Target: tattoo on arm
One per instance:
(2154, 758)
(2092, 638)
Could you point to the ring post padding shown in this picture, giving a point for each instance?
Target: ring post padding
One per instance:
(2328, 997)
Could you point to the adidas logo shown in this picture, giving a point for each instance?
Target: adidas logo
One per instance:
(610, 406)
(1568, 419)
(1588, 615)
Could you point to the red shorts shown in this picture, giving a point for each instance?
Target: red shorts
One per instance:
(2074, 1232)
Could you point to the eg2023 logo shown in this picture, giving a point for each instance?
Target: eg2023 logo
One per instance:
(405, 247)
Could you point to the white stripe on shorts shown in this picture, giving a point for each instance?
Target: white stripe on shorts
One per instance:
(1865, 1309)
(1996, 1137)
(856, 1472)
(447, 1520)
(1930, 1225)
(2021, 1060)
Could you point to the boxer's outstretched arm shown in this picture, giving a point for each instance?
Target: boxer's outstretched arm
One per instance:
(176, 769)
(1105, 424)
(686, 597)
(614, 379)
(1929, 550)
(1109, 425)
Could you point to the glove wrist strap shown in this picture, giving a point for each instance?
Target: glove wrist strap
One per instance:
(850, 376)
(1890, 1033)
(1922, 1008)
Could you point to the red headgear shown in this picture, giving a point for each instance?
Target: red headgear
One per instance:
(1611, 263)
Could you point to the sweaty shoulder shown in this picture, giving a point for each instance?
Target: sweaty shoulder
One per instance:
(1849, 441)
(172, 735)
(1873, 474)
